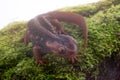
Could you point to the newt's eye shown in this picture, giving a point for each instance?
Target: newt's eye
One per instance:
(61, 50)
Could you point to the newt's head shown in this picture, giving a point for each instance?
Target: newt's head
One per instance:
(66, 47)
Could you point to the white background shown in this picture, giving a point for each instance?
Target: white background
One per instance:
(17, 10)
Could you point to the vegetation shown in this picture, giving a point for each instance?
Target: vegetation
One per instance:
(17, 62)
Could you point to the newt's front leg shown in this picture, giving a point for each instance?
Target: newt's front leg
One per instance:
(38, 58)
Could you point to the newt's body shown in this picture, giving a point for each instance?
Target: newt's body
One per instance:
(46, 39)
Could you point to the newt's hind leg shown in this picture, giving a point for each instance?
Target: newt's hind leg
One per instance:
(59, 27)
(37, 56)
(46, 20)
(25, 39)
(54, 23)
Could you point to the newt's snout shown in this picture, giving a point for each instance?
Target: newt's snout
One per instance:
(66, 47)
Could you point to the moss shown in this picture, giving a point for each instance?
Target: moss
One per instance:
(17, 62)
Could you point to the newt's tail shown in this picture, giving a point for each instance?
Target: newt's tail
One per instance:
(72, 18)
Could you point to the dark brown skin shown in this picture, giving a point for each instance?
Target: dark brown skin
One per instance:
(46, 38)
